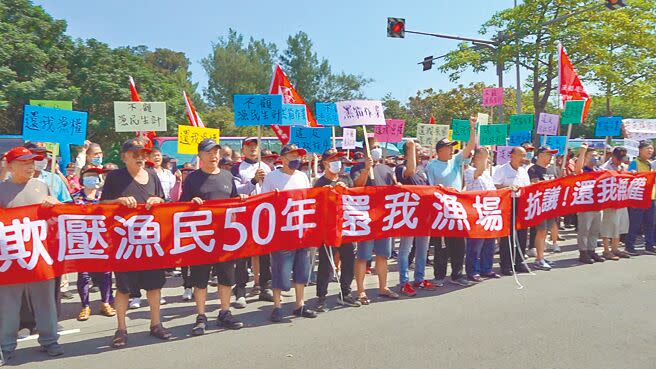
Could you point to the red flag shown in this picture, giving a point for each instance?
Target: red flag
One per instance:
(134, 96)
(280, 85)
(192, 115)
(569, 83)
(432, 120)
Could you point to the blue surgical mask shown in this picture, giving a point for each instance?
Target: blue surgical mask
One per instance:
(97, 160)
(377, 153)
(295, 164)
(91, 182)
(335, 166)
(529, 155)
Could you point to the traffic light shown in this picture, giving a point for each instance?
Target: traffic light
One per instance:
(396, 27)
(615, 4)
(428, 63)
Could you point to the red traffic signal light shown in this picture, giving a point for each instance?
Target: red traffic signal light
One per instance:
(396, 27)
(615, 4)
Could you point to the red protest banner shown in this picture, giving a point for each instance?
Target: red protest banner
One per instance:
(581, 193)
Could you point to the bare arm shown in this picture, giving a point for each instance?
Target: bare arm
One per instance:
(411, 160)
(471, 144)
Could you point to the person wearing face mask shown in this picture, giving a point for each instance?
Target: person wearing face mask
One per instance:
(57, 186)
(589, 222)
(642, 219)
(90, 194)
(331, 161)
(90, 154)
(283, 263)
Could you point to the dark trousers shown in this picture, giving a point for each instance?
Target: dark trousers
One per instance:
(449, 248)
(505, 258)
(241, 277)
(347, 256)
(265, 270)
(27, 319)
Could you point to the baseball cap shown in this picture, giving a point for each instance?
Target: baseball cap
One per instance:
(35, 148)
(444, 143)
(248, 141)
(331, 154)
(134, 145)
(289, 148)
(92, 168)
(545, 149)
(207, 144)
(22, 153)
(528, 146)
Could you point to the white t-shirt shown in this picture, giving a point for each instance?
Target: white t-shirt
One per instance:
(482, 183)
(278, 180)
(168, 181)
(507, 176)
(246, 174)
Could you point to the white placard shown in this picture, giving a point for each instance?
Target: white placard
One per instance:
(348, 139)
(132, 116)
(640, 129)
(483, 118)
(429, 134)
(360, 113)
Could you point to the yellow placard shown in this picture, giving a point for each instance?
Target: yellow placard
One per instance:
(459, 145)
(189, 137)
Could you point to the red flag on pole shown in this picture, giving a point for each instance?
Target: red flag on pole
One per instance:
(134, 96)
(432, 120)
(569, 83)
(280, 85)
(192, 115)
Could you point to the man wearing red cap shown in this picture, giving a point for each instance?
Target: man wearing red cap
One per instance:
(22, 190)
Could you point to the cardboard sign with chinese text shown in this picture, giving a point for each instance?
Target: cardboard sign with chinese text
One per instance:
(257, 110)
(493, 134)
(392, 131)
(429, 134)
(131, 116)
(327, 114)
(492, 97)
(189, 137)
(348, 138)
(54, 125)
(360, 113)
(548, 124)
(316, 140)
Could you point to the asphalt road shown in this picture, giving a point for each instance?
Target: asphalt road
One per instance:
(575, 316)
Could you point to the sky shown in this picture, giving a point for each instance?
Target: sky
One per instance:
(351, 35)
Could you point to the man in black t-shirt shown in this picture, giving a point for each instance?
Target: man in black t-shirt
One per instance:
(211, 183)
(536, 173)
(130, 186)
(331, 161)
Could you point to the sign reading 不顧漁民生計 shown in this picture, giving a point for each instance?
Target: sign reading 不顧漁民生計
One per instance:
(257, 110)
(134, 116)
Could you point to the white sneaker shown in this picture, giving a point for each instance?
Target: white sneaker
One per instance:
(162, 301)
(187, 294)
(555, 248)
(531, 253)
(23, 333)
(135, 303)
(542, 265)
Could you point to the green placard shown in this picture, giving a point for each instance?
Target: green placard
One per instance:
(52, 147)
(460, 129)
(521, 122)
(573, 113)
(493, 134)
(63, 105)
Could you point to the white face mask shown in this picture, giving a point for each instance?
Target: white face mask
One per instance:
(377, 153)
(335, 166)
(40, 165)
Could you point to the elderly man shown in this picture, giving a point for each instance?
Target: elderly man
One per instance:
(22, 190)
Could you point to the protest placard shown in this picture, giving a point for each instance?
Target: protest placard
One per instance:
(521, 122)
(56, 104)
(548, 124)
(483, 118)
(348, 138)
(360, 113)
(503, 154)
(461, 129)
(392, 131)
(293, 115)
(53, 147)
(132, 116)
(631, 147)
(458, 145)
(54, 125)
(493, 134)
(257, 110)
(518, 138)
(429, 134)
(316, 140)
(573, 113)
(608, 126)
(189, 137)
(493, 96)
(327, 114)
(555, 143)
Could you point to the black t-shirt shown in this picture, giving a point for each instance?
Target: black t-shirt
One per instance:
(414, 180)
(536, 172)
(120, 183)
(324, 181)
(383, 175)
(208, 186)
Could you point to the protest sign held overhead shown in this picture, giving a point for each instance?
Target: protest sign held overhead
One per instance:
(429, 134)
(327, 114)
(315, 140)
(461, 129)
(392, 131)
(573, 113)
(493, 134)
(519, 137)
(608, 126)
(503, 154)
(293, 115)
(492, 97)
(360, 113)
(349, 138)
(189, 137)
(131, 116)
(548, 124)
(56, 104)
(522, 122)
(54, 125)
(257, 110)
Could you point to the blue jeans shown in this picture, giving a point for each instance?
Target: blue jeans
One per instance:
(641, 220)
(383, 247)
(480, 256)
(283, 263)
(421, 252)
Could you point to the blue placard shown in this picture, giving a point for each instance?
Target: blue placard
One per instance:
(327, 114)
(54, 125)
(293, 115)
(608, 126)
(316, 140)
(257, 110)
(555, 143)
(518, 138)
